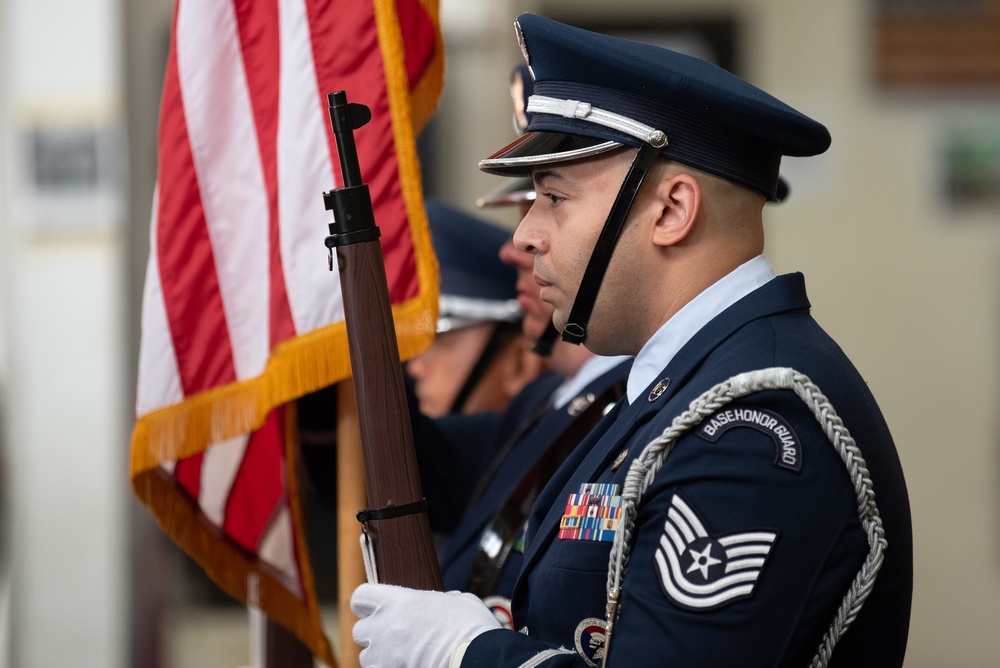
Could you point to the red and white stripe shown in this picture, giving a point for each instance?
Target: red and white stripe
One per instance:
(237, 263)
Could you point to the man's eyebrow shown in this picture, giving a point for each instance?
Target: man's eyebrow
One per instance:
(540, 175)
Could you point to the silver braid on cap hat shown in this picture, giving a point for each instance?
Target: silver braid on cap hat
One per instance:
(540, 104)
(644, 468)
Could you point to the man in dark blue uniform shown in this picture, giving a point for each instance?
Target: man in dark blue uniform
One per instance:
(745, 504)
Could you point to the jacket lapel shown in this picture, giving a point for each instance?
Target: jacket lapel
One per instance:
(587, 460)
(541, 435)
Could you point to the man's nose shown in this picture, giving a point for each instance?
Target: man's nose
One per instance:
(528, 237)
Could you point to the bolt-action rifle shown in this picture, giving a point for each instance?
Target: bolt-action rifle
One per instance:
(396, 524)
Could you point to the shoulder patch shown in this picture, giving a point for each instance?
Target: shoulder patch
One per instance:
(703, 572)
(786, 441)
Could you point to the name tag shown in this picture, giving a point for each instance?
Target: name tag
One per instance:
(592, 514)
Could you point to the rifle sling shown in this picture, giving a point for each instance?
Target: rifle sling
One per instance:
(366, 515)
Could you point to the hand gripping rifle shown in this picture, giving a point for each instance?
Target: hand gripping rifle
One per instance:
(396, 526)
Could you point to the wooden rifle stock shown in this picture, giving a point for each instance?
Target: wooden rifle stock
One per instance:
(397, 525)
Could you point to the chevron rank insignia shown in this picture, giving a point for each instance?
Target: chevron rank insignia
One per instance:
(702, 572)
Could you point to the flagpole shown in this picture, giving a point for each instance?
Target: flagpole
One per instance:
(350, 497)
(274, 646)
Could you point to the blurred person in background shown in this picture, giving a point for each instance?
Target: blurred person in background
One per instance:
(479, 359)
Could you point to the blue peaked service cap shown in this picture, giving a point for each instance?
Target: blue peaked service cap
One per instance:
(594, 93)
(475, 285)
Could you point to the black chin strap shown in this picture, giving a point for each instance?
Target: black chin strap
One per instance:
(543, 346)
(575, 330)
(503, 332)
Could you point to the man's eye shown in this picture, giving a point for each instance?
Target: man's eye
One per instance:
(553, 199)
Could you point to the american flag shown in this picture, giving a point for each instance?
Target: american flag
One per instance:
(240, 312)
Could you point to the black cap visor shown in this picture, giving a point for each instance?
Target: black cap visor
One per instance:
(542, 148)
(510, 192)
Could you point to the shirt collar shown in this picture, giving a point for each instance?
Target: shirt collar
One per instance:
(678, 330)
(596, 366)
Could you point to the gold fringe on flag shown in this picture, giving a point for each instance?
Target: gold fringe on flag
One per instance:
(232, 567)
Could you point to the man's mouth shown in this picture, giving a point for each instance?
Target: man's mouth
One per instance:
(544, 286)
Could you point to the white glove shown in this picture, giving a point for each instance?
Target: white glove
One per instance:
(408, 628)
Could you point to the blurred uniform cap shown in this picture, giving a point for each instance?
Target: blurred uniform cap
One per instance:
(522, 189)
(593, 93)
(475, 285)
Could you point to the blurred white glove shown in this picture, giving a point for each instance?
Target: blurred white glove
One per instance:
(408, 628)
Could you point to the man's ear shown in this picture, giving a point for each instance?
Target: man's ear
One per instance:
(680, 199)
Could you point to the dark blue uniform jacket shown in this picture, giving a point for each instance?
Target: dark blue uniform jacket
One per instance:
(710, 494)
(471, 465)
